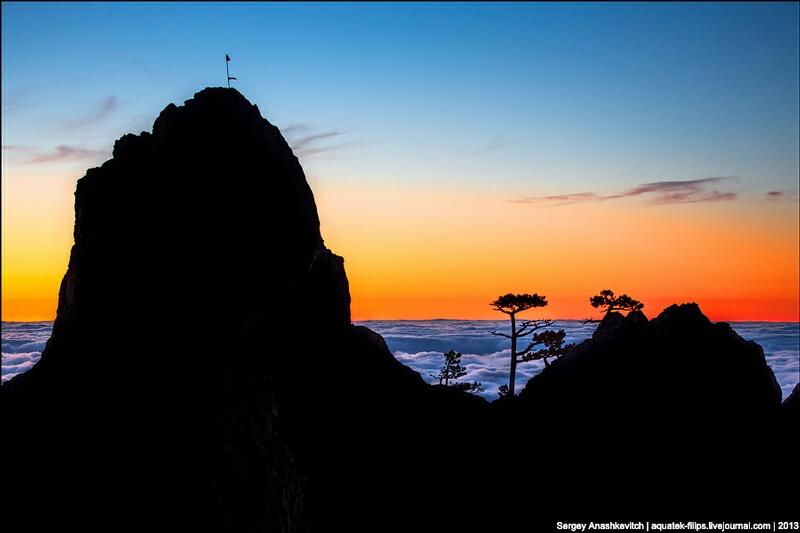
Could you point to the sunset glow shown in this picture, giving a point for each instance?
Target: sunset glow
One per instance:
(446, 255)
(446, 183)
(458, 252)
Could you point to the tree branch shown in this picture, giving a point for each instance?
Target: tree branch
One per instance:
(500, 334)
(529, 326)
(526, 350)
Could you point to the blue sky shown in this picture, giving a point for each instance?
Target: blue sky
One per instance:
(516, 99)
(437, 137)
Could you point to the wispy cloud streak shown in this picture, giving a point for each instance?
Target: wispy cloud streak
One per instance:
(104, 108)
(61, 152)
(560, 199)
(494, 144)
(658, 192)
(306, 142)
(774, 196)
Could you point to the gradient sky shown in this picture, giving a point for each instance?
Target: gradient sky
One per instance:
(456, 151)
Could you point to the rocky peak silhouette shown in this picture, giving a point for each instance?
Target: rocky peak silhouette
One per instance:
(254, 404)
(196, 237)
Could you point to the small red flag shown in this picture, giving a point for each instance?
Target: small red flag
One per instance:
(227, 58)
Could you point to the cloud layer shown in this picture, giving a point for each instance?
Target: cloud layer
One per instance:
(62, 152)
(658, 192)
(101, 111)
(305, 141)
(774, 196)
(420, 344)
(22, 345)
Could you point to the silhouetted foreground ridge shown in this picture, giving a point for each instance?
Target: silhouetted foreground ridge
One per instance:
(259, 407)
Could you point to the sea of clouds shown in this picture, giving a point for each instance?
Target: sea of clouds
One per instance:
(421, 343)
(22, 344)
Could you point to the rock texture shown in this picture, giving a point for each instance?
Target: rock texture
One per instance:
(255, 405)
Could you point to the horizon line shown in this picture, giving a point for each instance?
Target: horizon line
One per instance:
(553, 319)
(354, 321)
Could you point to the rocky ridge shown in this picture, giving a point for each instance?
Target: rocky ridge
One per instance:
(258, 406)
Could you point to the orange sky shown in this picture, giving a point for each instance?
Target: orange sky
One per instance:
(418, 128)
(446, 255)
(442, 253)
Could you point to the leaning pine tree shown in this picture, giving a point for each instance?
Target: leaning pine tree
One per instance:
(551, 342)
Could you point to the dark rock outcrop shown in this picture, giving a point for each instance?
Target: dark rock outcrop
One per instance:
(791, 408)
(678, 365)
(792, 402)
(203, 375)
(149, 401)
(674, 405)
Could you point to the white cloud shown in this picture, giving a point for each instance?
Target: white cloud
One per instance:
(420, 345)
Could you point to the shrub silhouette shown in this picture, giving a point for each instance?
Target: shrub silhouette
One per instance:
(553, 342)
(607, 301)
(453, 370)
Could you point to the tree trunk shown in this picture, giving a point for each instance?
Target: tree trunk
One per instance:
(512, 373)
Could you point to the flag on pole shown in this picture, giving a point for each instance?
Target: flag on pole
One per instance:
(227, 72)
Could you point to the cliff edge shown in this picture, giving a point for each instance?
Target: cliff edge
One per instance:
(255, 404)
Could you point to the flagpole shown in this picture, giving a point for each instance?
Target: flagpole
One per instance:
(227, 73)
